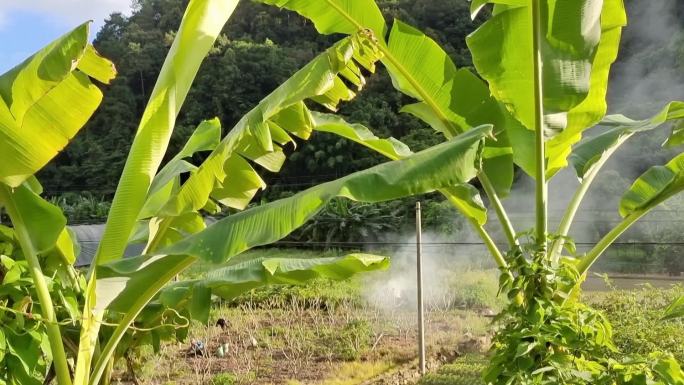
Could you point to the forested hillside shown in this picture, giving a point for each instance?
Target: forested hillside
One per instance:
(261, 47)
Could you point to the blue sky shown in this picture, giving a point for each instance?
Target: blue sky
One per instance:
(28, 25)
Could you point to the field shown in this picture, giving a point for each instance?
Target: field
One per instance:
(341, 333)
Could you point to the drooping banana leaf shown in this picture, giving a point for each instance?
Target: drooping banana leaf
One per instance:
(464, 196)
(45, 101)
(235, 279)
(227, 177)
(596, 150)
(655, 186)
(446, 165)
(333, 124)
(405, 57)
(580, 43)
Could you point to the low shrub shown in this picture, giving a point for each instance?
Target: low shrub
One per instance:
(475, 289)
(353, 340)
(466, 370)
(224, 379)
(85, 208)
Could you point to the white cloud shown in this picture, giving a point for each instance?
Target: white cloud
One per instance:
(69, 12)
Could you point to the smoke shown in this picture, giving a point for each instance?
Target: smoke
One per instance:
(442, 263)
(650, 69)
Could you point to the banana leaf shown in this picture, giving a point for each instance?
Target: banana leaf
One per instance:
(595, 150)
(46, 100)
(235, 279)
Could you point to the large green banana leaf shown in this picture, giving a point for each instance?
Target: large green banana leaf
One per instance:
(464, 196)
(655, 186)
(594, 151)
(227, 177)
(451, 100)
(45, 101)
(580, 43)
(201, 25)
(192, 299)
(446, 165)
(233, 280)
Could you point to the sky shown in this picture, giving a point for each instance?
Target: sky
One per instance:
(28, 25)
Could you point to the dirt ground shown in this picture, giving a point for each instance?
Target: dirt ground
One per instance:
(311, 346)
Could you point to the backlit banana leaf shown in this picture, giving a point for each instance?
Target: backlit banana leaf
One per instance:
(450, 101)
(446, 165)
(580, 43)
(338, 16)
(594, 151)
(201, 25)
(227, 177)
(45, 101)
(167, 182)
(655, 186)
(233, 280)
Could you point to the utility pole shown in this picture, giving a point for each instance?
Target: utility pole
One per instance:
(419, 283)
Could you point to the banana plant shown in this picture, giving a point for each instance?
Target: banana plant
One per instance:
(47, 99)
(542, 77)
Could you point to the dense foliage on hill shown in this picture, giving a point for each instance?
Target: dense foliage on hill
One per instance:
(261, 47)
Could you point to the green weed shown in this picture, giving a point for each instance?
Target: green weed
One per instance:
(635, 316)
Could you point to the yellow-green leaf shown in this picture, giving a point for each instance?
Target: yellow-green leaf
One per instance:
(45, 101)
(656, 185)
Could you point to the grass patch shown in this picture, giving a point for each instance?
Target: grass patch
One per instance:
(635, 316)
(476, 289)
(353, 373)
(466, 370)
